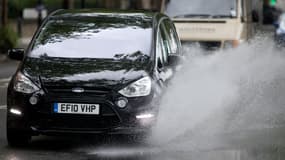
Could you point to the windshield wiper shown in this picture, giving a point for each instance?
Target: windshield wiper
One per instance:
(193, 15)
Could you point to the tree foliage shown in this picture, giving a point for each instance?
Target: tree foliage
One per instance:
(8, 39)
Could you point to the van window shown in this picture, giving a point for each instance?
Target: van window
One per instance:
(202, 8)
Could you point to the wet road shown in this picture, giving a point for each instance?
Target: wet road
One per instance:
(265, 144)
(7, 68)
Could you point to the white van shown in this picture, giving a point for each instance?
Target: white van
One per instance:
(215, 23)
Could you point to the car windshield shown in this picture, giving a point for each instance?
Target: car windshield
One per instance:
(98, 38)
(202, 8)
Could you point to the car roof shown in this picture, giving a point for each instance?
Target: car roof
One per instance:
(147, 16)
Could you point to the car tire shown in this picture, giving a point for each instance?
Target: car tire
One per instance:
(17, 138)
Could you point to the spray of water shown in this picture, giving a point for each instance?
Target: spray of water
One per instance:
(224, 92)
(228, 91)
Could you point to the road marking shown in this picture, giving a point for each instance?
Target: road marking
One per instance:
(5, 85)
(5, 80)
(3, 107)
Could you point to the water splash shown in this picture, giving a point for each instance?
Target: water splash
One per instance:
(215, 102)
(224, 92)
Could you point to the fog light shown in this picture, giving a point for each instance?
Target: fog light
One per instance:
(16, 111)
(146, 119)
(34, 100)
(122, 102)
(145, 116)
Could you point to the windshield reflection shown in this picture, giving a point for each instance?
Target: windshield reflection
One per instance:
(100, 37)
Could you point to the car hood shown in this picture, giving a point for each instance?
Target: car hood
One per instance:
(85, 72)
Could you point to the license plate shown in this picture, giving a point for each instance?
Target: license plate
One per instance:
(73, 108)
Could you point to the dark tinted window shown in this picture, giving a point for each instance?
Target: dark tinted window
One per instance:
(160, 50)
(105, 37)
(173, 38)
(167, 42)
(164, 43)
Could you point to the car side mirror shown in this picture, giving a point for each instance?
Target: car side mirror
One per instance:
(174, 60)
(16, 54)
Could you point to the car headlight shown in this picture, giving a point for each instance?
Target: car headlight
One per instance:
(24, 85)
(141, 87)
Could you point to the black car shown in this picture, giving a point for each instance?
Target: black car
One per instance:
(93, 72)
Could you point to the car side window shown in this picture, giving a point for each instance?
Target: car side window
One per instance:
(165, 44)
(165, 38)
(159, 50)
(173, 38)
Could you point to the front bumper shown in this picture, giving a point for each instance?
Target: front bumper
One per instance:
(41, 119)
(114, 131)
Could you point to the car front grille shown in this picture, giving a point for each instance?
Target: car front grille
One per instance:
(60, 91)
(44, 118)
